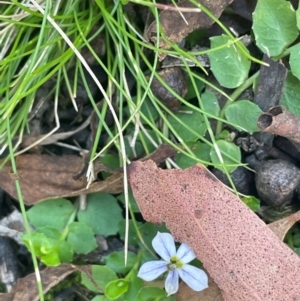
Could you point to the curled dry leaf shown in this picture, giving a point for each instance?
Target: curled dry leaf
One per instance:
(280, 121)
(282, 226)
(243, 256)
(174, 25)
(43, 177)
(26, 288)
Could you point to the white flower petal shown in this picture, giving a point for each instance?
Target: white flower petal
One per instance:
(164, 245)
(171, 284)
(152, 269)
(185, 254)
(195, 278)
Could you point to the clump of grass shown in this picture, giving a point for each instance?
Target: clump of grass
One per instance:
(40, 41)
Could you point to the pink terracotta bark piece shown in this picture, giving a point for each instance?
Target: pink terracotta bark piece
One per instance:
(243, 256)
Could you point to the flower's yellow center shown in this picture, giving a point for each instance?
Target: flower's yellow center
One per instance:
(175, 263)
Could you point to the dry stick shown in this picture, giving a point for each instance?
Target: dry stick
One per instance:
(280, 121)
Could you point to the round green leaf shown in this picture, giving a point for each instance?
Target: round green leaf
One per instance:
(191, 120)
(116, 288)
(295, 60)
(55, 213)
(230, 149)
(191, 91)
(135, 285)
(274, 26)
(50, 232)
(64, 251)
(229, 65)
(102, 275)
(243, 113)
(210, 103)
(45, 248)
(102, 214)
(81, 238)
(115, 261)
(298, 17)
(291, 94)
(148, 293)
(200, 150)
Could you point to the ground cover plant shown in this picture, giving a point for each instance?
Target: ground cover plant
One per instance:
(88, 87)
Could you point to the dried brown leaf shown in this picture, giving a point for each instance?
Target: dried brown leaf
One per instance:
(26, 288)
(43, 176)
(243, 256)
(282, 226)
(279, 121)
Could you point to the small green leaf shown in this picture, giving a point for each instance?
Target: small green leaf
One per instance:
(116, 288)
(193, 120)
(210, 103)
(81, 238)
(200, 150)
(298, 17)
(102, 275)
(274, 26)
(229, 65)
(191, 91)
(295, 60)
(135, 285)
(148, 293)
(243, 113)
(55, 213)
(44, 247)
(50, 232)
(102, 214)
(111, 161)
(252, 202)
(291, 94)
(229, 149)
(51, 259)
(62, 248)
(64, 251)
(115, 261)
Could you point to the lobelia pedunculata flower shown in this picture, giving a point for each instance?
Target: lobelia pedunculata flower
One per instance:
(175, 263)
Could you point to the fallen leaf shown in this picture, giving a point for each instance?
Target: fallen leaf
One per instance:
(45, 177)
(282, 226)
(279, 121)
(26, 288)
(174, 24)
(243, 256)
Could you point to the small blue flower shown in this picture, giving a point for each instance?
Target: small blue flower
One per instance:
(175, 263)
